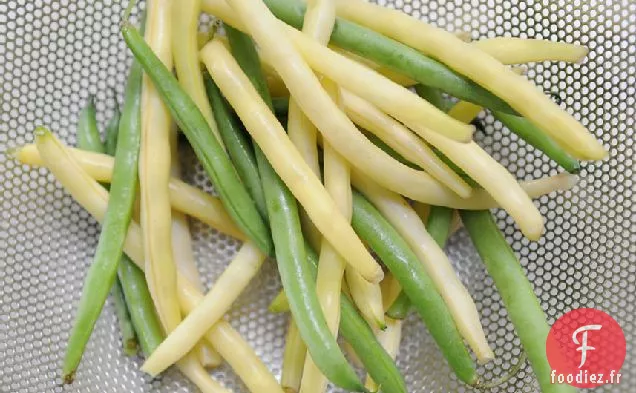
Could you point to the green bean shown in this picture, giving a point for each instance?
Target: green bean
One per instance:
(88, 137)
(378, 363)
(517, 293)
(101, 274)
(400, 307)
(130, 279)
(409, 271)
(289, 244)
(238, 144)
(128, 336)
(281, 105)
(356, 331)
(142, 311)
(112, 133)
(392, 54)
(438, 226)
(434, 96)
(540, 140)
(217, 164)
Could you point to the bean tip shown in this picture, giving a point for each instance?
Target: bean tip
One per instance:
(41, 131)
(584, 51)
(13, 152)
(68, 378)
(148, 367)
(128, 11)
(569, 181)
(131, 347)
(465, 36)
(574, 168)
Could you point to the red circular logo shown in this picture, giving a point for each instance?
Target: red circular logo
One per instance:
(586, 349)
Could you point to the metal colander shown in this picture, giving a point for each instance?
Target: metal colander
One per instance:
(55, 53)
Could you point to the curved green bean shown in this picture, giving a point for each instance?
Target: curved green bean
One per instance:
(238, 144)
(540, 140)
(103, 271)
(291, 256)
(88, 137)
(217, 164)
(394, 55)
(517, 293)
(398, 257)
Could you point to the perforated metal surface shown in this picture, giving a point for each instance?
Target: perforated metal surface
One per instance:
(53, 54)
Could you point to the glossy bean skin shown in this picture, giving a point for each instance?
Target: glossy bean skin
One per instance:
(142, 310)
(409, 271)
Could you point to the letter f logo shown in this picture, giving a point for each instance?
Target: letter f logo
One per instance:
(584, 347)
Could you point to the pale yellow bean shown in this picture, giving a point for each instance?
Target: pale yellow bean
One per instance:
(391, 336)
(184, 257)
(230, 284)
(368, 298)
(293, 359)
(185, 46)
(99, 166)
(403, 141)
(94, 198)
(482, 68)
(183, 197)
(336, 127)
(286, 161)
(494, 178)
(511, 50)
(154, 175)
